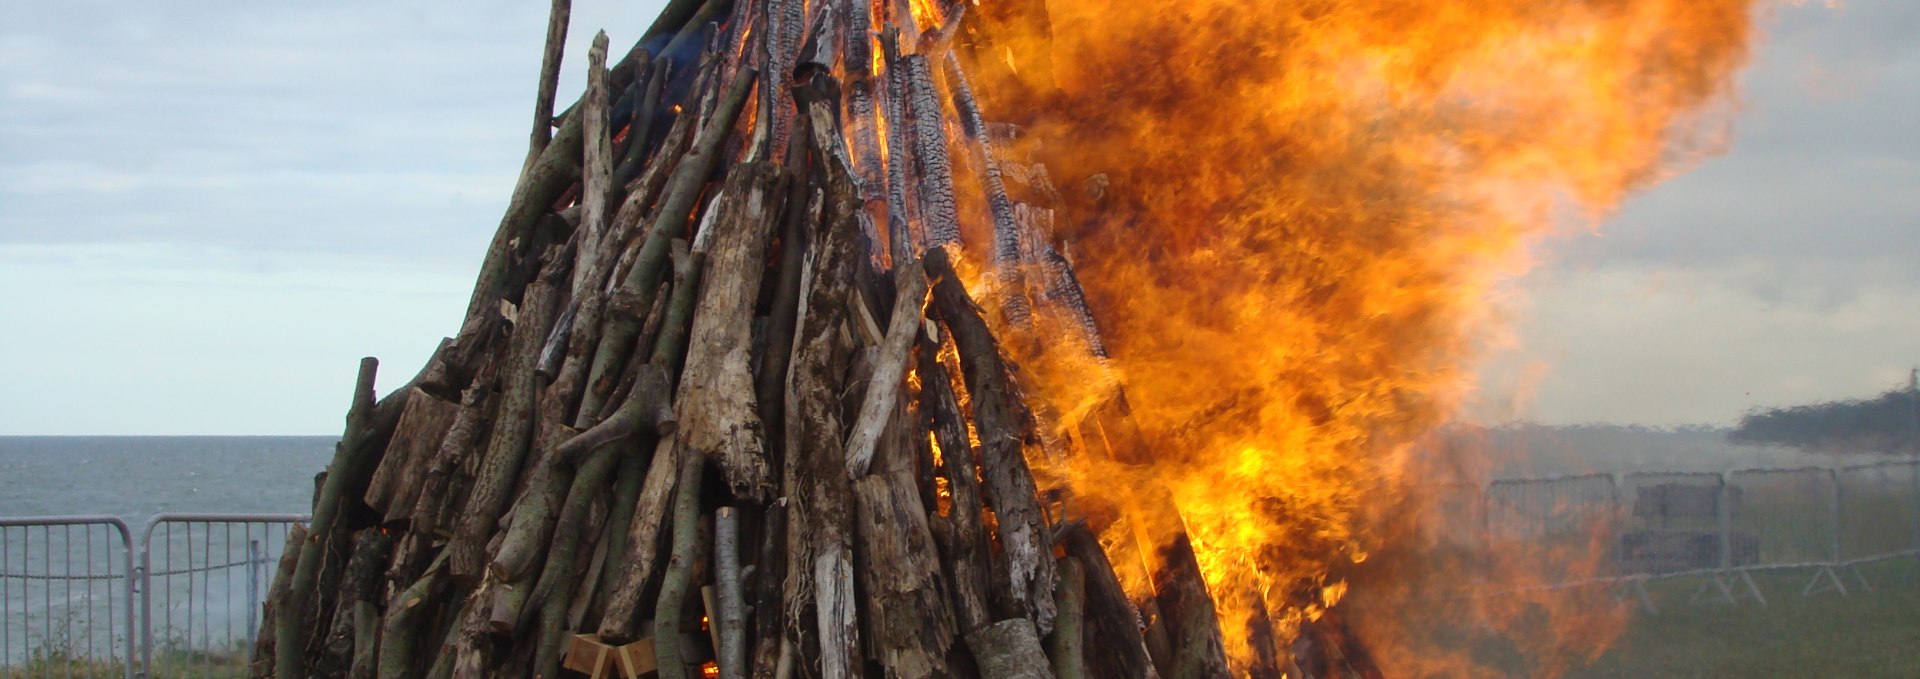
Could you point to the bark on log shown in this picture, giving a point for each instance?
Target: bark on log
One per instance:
(933, 169)
(820, 517)
(669, 223)
(290, 634)
(416, 438)
(714, 404)
(262, 664)
(890, 368)
(908, 625)
(1007, 279)
(1112, 623)
(1066, 648)
(512, 430)
(769, 579)
(363, 597)
(1010, 487)
(903, 214)
(557, 20)
(730, 622)
(1193, 630)
(1009, 649)
(964, 540)
(400, 633)
(677, 584)
(459, 441)
(802, 211)
(651, 503)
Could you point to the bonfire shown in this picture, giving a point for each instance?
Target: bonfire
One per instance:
(920, 338)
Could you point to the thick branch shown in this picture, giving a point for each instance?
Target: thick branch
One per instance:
(1010, 486)
(890, 368)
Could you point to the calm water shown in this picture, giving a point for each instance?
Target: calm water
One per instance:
(135, 477)
(208, 578)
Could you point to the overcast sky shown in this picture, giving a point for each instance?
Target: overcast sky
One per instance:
(209, 211)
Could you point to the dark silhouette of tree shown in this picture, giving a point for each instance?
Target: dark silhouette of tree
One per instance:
(1889, 423)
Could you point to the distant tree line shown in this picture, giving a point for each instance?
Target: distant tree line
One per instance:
(1889, 423)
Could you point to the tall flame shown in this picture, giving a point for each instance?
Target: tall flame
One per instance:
(1305, 208)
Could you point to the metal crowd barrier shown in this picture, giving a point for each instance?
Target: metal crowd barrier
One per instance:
(70, 614)
(78, 599)
(194, 612)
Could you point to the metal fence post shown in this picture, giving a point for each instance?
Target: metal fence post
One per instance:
(254, 558)
(1833, 513)
(1724, 514)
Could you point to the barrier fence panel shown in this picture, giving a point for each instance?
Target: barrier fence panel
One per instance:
(1676, 523)
(66, 597)
(1879, 511)
(204, 577)
(1789, 511)
(1557, 522)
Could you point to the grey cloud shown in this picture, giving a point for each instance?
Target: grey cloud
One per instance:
(338, 127)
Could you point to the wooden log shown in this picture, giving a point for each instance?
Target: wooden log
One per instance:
(769, 578)
(862, 107)
(670, 222)
(557, 20)
(890, 369)
(1066, 648)
(512, 435)
(903, 213)
(715, 403)
(1028, 589)
(908, 624)
(1193, 630)
(262, 665)
(633, 468)
(730, 622)
(786, 23)
(291, 636)
(417, 437)
(933, 169)
(677, 583)
(647, 409)
(964, 540)
(821, 52)
(1009, 649)
(1112, 624)
(821, 513)
(1006, 275)
(803, 206)
(656, 492)
(641, 130)
(596, 173)
(560, 577)
(620, 622)
(461, 437)
(362, 596)
(400, 632)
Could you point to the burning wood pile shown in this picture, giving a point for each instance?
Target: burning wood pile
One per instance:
(780, 364)
(732, 396)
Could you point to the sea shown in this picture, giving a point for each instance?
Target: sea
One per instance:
(63, 589)
(135, 477)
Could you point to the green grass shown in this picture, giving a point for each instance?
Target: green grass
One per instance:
(1867, 634)
(168, 663)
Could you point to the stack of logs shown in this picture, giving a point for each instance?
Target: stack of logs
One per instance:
(721, 402)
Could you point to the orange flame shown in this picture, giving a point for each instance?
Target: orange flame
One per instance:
(1311, 208)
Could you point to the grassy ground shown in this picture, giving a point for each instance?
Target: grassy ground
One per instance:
(1867, 634)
